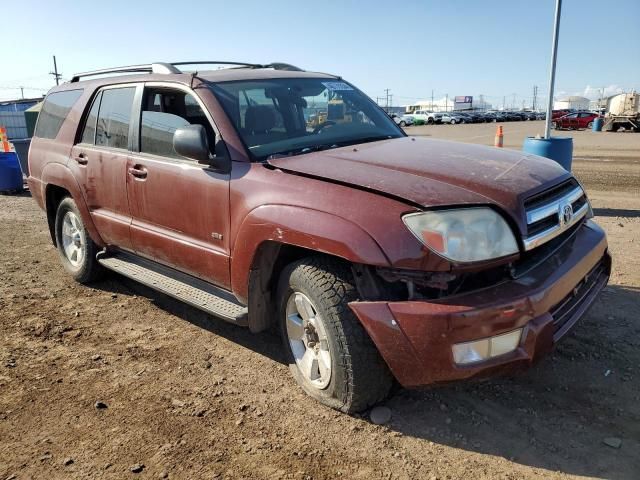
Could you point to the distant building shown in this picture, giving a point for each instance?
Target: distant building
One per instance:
(572, 103)
(12, 116)
(18, 105)
(446, 104)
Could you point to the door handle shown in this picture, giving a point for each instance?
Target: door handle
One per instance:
(82, 159)
(138, 171)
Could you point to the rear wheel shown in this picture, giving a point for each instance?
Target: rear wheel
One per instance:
(452, 122)
(330, 354)
(403, 123)
(590, 125)
(430, 121)
(75, 247)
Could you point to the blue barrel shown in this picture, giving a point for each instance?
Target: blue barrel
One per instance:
(10, 173)
(597, 125)
(559, 149)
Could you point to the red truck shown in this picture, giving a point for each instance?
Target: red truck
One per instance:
(275, 197)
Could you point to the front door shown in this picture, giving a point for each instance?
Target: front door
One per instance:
(180, 209)
(99, 163)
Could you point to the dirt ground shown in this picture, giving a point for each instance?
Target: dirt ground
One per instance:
(187, 396)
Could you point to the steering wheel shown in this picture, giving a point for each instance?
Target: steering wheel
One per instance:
(321, 127)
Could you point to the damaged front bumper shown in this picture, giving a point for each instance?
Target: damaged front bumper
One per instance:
(416, 337)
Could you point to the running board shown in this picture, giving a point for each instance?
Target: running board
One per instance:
(183, 287)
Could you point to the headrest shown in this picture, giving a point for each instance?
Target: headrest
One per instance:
(259, 118)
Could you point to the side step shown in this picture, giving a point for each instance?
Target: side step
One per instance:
(186, 288)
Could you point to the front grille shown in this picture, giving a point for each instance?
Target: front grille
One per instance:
(548, 214)
(566, 312)
(551, 194)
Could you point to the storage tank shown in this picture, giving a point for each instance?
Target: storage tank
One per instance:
(572, 103)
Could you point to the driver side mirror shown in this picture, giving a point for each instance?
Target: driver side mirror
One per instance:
(191, 142)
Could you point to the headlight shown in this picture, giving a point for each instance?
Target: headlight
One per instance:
(463, 235)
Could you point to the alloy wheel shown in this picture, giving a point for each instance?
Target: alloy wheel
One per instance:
(308, 340)
(73, 241)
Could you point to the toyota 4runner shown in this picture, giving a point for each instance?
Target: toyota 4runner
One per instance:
(270, 196)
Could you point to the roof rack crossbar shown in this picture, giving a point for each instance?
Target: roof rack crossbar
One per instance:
(172, 68)
(215, 62)
(145, 68)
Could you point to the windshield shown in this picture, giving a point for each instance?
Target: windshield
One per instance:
(285, 116)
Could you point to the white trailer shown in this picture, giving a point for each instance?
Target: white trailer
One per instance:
(623, 112)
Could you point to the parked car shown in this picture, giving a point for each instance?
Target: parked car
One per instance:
(405, 121)
(427, 116)
(376, 255)
(451, 118)
(574, 121)
(400, 120)
(560, 113)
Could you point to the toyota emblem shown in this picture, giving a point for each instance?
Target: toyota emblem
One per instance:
(566, 214)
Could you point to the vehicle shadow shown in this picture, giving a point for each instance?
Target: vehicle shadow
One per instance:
(266, 343)
(616, 212)
(555, 416)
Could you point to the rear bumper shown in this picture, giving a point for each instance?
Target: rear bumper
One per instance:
(415, 337)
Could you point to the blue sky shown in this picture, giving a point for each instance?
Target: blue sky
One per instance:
(458, 47)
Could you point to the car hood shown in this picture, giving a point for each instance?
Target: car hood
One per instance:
(432, 173)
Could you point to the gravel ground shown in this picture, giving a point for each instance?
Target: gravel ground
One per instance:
(117, 381)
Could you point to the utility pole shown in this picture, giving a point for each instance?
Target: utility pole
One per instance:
(55, 73)
(386, 91)
(446, 103)
(535, 97)
(432, 107)
(22, 92)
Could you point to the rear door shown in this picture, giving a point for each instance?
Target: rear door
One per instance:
(180, 209)
(99, 162)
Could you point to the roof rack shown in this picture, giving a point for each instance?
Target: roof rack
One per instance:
(167, 68)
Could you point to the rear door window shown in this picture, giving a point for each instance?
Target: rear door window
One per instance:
(89, 133)
(55, 109)
(114, 117)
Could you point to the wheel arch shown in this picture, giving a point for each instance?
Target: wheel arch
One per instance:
(58, 182)
(273, 236)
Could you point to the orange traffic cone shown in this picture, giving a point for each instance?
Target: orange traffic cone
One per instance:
(499, 137)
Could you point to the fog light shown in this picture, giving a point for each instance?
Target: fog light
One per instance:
(479, 350)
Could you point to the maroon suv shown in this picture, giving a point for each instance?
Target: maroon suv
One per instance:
(274, 197)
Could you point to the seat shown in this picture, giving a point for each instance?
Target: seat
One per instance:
(258, 122)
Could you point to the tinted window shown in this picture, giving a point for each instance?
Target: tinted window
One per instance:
(164, 110)
(55, 109)
(89, 133)
(112, 128)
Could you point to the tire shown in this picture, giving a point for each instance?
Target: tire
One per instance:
(76, 249)
(452, 122)
(590, 125)
(555, 126)
(403, 123)
(358, 376)
(430, 121)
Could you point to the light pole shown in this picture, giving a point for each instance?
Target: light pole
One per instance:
(552, 74)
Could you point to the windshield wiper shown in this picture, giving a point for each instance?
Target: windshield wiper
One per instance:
(303, 150)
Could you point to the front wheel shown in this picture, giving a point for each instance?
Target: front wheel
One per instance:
(453, 122)
(330, 354)
(75, 247)
(403, 123)
(590, 125)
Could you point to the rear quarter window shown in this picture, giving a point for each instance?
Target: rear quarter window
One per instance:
(55, 109)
